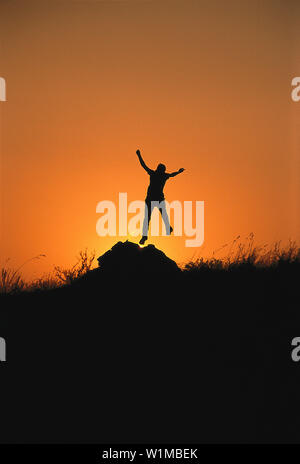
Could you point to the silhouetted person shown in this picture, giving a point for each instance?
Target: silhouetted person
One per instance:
(155, 193)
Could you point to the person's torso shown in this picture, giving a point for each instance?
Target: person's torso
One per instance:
(156, 186)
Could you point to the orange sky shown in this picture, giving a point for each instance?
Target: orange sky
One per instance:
(203, 85)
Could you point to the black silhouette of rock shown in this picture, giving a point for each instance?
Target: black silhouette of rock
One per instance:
(127, 257)
(128, 264)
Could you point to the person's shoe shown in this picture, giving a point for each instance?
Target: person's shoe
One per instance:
(171, 230)
(143, 239)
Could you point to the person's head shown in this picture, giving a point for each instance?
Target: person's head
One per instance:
(161, 168)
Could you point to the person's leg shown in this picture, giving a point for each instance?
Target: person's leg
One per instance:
(165, 217)
(147, 217)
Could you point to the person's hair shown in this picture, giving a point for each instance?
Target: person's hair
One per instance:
(161, 168)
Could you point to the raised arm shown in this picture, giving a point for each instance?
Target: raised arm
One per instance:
(143, 164)
(173, 174)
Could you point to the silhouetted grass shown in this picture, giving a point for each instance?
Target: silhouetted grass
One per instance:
(82, 266)
(11, 280)
(241, 256)
(246, 254)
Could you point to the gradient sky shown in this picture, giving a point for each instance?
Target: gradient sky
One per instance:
(203, 85)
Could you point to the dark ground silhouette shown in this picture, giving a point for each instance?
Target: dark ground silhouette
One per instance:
(199, 356)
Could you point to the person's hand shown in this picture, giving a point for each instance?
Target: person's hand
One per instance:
(181, 170)
(138, 152)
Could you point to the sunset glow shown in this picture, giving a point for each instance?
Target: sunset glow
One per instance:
(200, 85)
